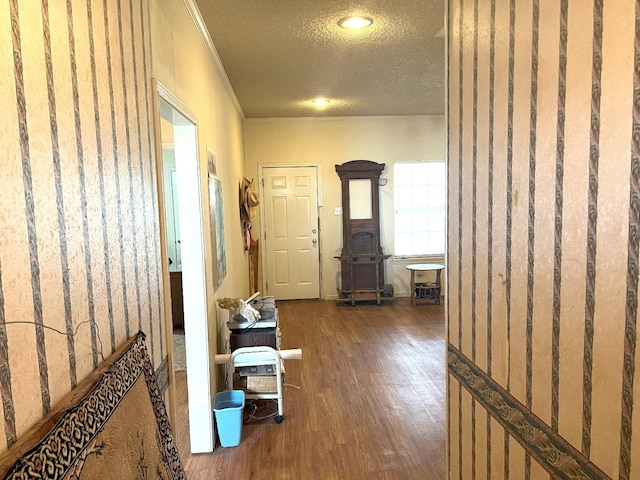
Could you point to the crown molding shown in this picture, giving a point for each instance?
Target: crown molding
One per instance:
(351, 118)
(196, 16)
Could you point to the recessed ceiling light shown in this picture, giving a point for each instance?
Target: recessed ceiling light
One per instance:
(320, 102)
(355, 22)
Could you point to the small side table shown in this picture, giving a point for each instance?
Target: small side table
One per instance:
(427, 292)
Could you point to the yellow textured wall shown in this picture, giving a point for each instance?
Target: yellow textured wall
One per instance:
(544, 144)
(79, 248)
(182, 64)
(328, 142)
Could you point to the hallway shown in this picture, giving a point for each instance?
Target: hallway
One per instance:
(371, 403)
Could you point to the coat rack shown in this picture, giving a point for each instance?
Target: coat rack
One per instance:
(361, 260)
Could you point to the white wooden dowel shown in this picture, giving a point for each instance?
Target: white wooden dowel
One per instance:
(291, 354)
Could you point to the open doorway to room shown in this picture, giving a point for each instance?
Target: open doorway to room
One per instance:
(180, 193)
(173, 243)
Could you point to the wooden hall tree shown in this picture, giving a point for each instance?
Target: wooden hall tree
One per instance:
(362, 260)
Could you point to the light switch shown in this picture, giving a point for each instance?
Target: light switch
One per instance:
(338, 210)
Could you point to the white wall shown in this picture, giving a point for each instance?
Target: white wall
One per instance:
(332, 141)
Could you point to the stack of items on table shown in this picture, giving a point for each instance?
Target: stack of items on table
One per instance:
(428, 290)
(251, 333)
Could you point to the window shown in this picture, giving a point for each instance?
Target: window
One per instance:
(420, 201)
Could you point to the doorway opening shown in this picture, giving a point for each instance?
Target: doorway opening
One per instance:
(181, 195)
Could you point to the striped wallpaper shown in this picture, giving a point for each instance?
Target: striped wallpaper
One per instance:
(543, 127)
(79, 247)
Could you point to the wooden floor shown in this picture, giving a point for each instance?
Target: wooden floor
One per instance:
(371, 403)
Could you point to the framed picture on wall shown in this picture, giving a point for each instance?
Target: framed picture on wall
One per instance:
(211, 163)
(216, 211)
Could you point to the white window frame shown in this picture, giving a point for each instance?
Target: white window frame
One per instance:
(404, 184)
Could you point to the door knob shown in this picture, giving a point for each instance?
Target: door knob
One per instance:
(314, 241)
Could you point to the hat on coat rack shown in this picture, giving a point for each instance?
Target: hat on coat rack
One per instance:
(248, 199)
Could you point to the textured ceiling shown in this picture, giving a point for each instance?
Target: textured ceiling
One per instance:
(280, 54)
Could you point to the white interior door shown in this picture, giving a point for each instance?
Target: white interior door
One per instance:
(171, 214)
(290, 226)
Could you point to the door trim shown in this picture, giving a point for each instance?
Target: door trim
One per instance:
(263, 260)
(199, 382)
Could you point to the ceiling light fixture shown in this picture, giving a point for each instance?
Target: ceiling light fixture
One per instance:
(355, 22)
(320, 102)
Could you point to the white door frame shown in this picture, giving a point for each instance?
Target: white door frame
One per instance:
(263, 262)
(193, 268)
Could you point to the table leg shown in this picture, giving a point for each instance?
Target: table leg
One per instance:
(413, 288)
(438, 285)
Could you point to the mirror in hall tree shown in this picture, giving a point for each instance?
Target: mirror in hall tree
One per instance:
(360, 199)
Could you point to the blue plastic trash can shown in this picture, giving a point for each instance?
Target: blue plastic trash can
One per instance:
(228, 406)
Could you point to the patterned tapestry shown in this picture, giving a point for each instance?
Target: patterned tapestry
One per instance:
(118, 430)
